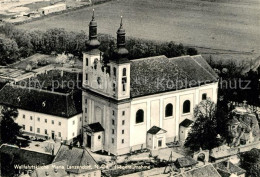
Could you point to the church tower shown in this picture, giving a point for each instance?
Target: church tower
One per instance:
(120, 67)
(93, 55)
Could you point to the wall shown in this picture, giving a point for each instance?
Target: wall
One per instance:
(154, 114)
(154, 111)
(108, 112)
(97, 144)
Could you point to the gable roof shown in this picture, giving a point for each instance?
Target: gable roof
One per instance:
(30, 157)
(36, 100)
(185, 162)
(228, 167)
(50, 170)
(222, 151)
(95, 127)
(74, 156)
(160, 74)
(186, 123)
(154, 130)
(207, 170)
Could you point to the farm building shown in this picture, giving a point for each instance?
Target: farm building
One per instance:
(51, 9)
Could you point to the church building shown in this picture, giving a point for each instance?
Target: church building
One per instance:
(134, 104)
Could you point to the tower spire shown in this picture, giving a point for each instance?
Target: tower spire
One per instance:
(121, 24)
(93, 41)
(93, 15)
(121, 50)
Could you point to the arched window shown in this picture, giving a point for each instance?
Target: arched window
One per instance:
(186, 106)
(139, 118)
(204, 96)
(168, 110)
(95, 63)
(124, 71)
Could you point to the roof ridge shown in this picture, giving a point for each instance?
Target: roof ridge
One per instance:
(145, 58)
(35, 89)
(80, 162)
(90, 155)
(203, 68)
(3, 87)
(201, 167)
(22, 149)
(182, 56)
(56, 154)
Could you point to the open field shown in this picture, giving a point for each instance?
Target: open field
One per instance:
(223, 24)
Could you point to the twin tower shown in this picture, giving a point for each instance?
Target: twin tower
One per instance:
(110, 80)
(93, 42)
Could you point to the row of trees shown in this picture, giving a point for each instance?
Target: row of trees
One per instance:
(16, 43)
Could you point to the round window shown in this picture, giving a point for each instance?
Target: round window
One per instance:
(99, 137)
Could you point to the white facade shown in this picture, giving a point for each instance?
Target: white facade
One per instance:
(154, 111)
(126, 98)
(116, 111)
(42, 125)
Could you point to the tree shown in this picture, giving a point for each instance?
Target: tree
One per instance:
(8, 162)
(9, 50)
(192, 51)
(250, 161)
(9, 129)
(203, 133)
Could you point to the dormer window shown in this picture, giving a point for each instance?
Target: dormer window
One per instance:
(18, 99)
(44, 104)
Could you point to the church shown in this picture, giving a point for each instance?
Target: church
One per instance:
(141, 103)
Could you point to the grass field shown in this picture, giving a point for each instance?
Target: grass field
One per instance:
(217, 24)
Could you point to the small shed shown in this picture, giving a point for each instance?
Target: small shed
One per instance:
(185, 162)
(94, 136)
(156, 138)
(185, 127)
